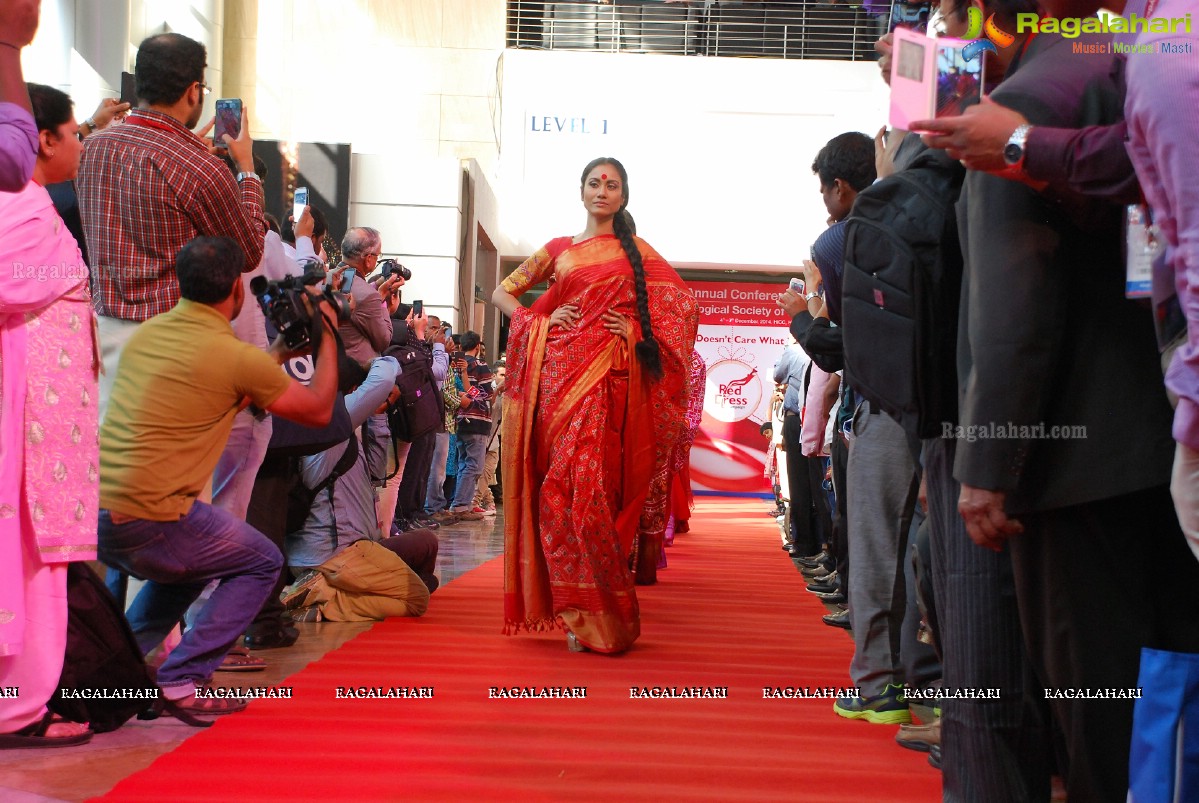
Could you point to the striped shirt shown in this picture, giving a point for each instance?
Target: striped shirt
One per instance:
(146, 188)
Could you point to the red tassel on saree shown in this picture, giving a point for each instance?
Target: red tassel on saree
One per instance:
(584, 431)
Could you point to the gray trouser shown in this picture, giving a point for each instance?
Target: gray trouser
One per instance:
(883, 482)
(992, 750)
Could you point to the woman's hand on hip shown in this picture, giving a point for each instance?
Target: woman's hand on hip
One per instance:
(616, 323)
(565, 316)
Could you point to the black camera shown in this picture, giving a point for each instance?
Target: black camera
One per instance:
(283, 305)
(390, 266)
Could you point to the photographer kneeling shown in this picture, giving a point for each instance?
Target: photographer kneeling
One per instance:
(346, 573)
(182, 378)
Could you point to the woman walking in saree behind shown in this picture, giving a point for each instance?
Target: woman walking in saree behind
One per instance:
(595, 408)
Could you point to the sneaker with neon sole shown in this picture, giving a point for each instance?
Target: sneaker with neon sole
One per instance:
(888, 708)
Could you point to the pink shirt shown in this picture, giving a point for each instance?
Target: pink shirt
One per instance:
(816, 410)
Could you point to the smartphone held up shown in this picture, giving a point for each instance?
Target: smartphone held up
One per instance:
(298, 202)
(228, 120)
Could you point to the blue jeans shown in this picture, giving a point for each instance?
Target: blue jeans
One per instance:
(234, 475)
(472, 451)
(435, 500)
(178, 559)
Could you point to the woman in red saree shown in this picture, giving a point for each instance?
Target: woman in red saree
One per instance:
(595, 409)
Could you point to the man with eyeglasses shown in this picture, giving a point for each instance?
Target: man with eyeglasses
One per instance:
(149, 186)
(368, 331)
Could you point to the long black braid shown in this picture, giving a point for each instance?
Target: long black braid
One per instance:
(647, 350)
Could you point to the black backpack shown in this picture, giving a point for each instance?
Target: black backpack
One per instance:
(101, 654)
(420, 408)
(901, 288)
(300, 497)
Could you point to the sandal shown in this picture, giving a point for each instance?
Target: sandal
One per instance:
(239, 660)
(35, 735)
(194, 706)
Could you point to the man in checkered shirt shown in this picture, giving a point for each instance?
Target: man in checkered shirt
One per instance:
(148, 187)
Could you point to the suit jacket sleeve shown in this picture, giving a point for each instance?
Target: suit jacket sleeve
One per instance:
(822, 341)
(371, 319)
(1013, 297)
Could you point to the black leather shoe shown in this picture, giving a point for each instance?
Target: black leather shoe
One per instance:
(825, 585)
(934, 756)
(818, 572)
(285, 636)
(839, 619)
(425, 522)
(811, 561)
(832, 597)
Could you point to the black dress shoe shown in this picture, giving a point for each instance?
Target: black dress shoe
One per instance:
(934, 756)
(819, 571)
(832, 597)
(811, 561)
(825, 585)
(285, 636)
(425, 522)
(838, 619)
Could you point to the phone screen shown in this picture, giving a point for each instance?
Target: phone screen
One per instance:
(228, 120)
(910, 14)
(298, 203)
(347, 279)
(418, 308)
(449, 331)
(128, 89)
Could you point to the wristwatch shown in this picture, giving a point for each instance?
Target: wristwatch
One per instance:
(809, 296)
(247, 174)
(1013, 152)
(91, 125)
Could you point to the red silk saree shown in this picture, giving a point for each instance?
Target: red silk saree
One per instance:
(584, 431)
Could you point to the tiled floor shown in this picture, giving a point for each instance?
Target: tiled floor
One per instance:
(77, 773)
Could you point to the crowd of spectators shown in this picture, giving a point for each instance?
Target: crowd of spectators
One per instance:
(252, 471)
(974, 549)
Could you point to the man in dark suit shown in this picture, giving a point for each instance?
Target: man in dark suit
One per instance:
(1065, 445)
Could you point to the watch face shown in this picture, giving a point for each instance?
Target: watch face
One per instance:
(1012, 153)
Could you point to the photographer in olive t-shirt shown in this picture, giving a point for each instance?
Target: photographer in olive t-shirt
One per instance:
(182, 378)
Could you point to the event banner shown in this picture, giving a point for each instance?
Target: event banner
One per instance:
(742, 332)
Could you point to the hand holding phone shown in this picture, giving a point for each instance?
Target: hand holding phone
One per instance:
(128, 88)
(299, 201)
(228, 120)
(796, 286)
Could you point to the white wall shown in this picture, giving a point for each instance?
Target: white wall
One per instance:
(82, 46)
(719, 150)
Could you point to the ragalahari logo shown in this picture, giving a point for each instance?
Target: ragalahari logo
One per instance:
(994, 35)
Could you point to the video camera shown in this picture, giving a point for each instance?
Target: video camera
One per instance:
(283, 304)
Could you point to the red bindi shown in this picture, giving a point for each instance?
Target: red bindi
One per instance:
(603, 175)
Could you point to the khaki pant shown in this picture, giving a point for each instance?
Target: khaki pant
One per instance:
(366, 582)
(483, 496)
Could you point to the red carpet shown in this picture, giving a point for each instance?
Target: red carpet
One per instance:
(730, 611)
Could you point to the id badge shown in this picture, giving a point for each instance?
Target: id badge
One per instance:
(1143, 246)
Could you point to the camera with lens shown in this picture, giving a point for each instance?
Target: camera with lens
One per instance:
(283, 304)
(389, 266)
